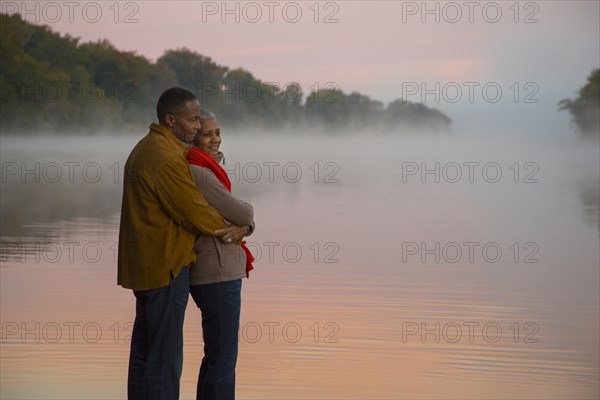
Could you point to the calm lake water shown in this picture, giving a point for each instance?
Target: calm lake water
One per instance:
(389, 267)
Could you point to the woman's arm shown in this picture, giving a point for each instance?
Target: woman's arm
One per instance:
(251, 228)
(236, 211)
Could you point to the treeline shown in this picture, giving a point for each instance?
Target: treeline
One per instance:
(585, 109)
(55, 83)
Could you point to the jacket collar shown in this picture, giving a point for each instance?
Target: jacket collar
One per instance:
(177, 144)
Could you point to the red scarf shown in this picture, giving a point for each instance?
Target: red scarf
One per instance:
(198, 157)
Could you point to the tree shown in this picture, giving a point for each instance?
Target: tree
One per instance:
(51, 82)
(585, 109)
(197, 73)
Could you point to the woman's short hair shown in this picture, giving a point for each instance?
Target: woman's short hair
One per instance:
(205, 114)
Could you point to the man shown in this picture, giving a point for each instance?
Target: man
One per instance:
(162, 211)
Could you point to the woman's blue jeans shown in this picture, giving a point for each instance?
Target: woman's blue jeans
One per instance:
(220, 305)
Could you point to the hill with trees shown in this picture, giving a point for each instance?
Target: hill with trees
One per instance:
(54, 83)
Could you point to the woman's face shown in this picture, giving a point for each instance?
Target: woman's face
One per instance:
(208, 138)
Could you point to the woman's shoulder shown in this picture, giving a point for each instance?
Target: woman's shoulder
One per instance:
(204, 175)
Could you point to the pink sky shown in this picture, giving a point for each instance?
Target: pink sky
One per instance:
(373, 48)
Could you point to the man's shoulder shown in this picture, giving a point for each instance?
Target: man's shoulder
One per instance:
(155, 151)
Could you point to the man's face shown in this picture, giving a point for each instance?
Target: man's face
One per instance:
(185, 123)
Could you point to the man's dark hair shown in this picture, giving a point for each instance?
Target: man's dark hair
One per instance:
(171, 100)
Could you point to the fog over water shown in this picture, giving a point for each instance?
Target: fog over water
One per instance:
(364, 243)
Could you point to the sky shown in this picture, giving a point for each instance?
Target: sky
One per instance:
(480, 62)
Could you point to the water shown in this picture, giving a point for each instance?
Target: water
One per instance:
(373, 281)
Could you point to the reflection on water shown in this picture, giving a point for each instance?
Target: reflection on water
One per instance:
(372, 281)
(589, 194)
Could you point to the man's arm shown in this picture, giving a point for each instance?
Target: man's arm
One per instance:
(234, 210)
(184, 203)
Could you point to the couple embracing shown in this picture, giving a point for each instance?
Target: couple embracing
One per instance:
(181, 232)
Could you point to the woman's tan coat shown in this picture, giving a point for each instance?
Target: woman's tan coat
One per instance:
(217, 261)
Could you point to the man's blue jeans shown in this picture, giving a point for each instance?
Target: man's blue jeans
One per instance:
(220, 306)
(156, 358)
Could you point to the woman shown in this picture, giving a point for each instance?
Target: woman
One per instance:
(216, 278)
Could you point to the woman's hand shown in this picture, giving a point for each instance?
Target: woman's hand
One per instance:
(232, 233)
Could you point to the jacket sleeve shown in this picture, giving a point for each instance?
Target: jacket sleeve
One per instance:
(234, 210)
(183, 202)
